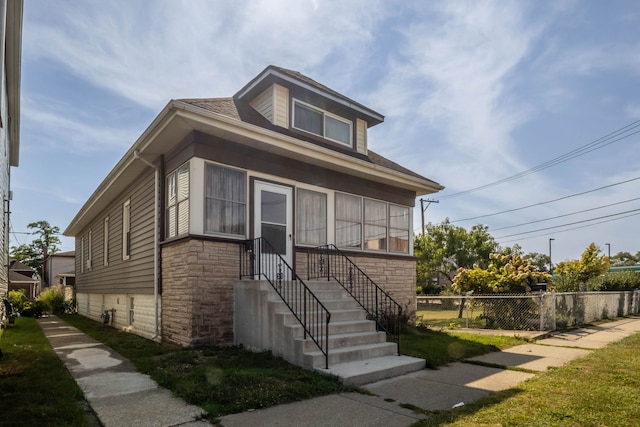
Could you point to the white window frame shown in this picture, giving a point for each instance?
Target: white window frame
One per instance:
(105, 243)
(177, 228)
(363, 225)
(126, 230)
(82, 254)
(408, 229)
(89, 250)
(298, 221)
(324, 125)
(246, 202)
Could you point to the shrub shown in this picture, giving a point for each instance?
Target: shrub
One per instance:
(52, 299)
(33, 309)
(17, 299)
(615, 281)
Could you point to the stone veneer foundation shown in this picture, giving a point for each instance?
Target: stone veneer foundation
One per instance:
(198, 278)
(197, 292)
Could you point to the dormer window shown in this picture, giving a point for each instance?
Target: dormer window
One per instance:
(322, 123)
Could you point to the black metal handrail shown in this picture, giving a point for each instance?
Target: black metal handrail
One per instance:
(258, 259)
(329, 262)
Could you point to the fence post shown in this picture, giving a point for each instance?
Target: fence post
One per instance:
(553, 310)
(541, 309)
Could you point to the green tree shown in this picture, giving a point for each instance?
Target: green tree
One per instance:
(445, 247)
(541, 261)
(573, 275)
(39, 249)
(624, 258)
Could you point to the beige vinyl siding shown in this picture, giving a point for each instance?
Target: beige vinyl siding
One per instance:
(281, 106)
(361, 136)
(273, 104)
(263, 103)
(131, 276)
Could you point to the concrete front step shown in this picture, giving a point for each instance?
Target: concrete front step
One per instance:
(375, 369)
(337, 341)
(336, 316)
(350, 354)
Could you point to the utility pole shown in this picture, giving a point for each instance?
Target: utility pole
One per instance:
(424, 208)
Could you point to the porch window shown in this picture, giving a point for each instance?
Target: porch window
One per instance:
(225, 201)
(398, 229)
(375, 225)
(311, 218)
(348, 221)
(322, 123)
(178, 202)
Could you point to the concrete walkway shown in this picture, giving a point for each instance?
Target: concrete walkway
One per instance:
(122, 397)
(117, 393)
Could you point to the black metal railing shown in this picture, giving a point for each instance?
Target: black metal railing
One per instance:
(259, 260)
(331, 263)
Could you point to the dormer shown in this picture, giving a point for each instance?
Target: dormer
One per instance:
(310, 110)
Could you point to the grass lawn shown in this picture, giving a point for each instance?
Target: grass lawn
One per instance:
(440, 348)
(449, 319)
(35, 387)
(601, 389)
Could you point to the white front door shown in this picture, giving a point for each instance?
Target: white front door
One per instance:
(273, 215)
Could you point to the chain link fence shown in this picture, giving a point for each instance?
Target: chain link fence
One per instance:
(544, 311)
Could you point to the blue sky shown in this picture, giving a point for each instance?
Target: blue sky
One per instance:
(472, 91)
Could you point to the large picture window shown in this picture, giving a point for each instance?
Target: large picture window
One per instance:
(225, 201)
(348, 221)
(375, 225)
(371, 225)
(311, 218)
(177, 217)
(399, 222)
(321, 123)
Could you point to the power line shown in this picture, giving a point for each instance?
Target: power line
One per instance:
(565, 215)
(571, 229)
(601, 142)
(548, 201)
(564, 225)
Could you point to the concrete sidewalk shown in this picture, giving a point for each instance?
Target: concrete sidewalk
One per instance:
(117, 393)
(122, 397)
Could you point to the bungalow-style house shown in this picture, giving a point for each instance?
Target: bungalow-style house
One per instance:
(24, 278)
(214, 189)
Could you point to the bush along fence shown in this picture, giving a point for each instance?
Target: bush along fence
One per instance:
(544, 311)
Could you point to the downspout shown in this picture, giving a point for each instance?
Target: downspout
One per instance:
(156, 198)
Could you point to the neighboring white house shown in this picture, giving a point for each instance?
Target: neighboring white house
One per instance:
(10, 56)
(59, 269)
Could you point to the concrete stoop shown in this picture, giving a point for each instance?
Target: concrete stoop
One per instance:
(358, 353)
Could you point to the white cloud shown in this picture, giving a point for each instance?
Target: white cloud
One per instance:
(152, 52)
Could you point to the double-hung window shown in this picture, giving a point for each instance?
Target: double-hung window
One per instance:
(311, 219)
(322, 123)
(348, 221)
(375, 225)
(225, 201)
(178, 202)
(126, 230)
(399, 229)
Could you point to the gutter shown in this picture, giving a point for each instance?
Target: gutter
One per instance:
(156, 283)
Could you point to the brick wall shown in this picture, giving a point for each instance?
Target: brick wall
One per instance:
(197, 292)
(395, 275)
